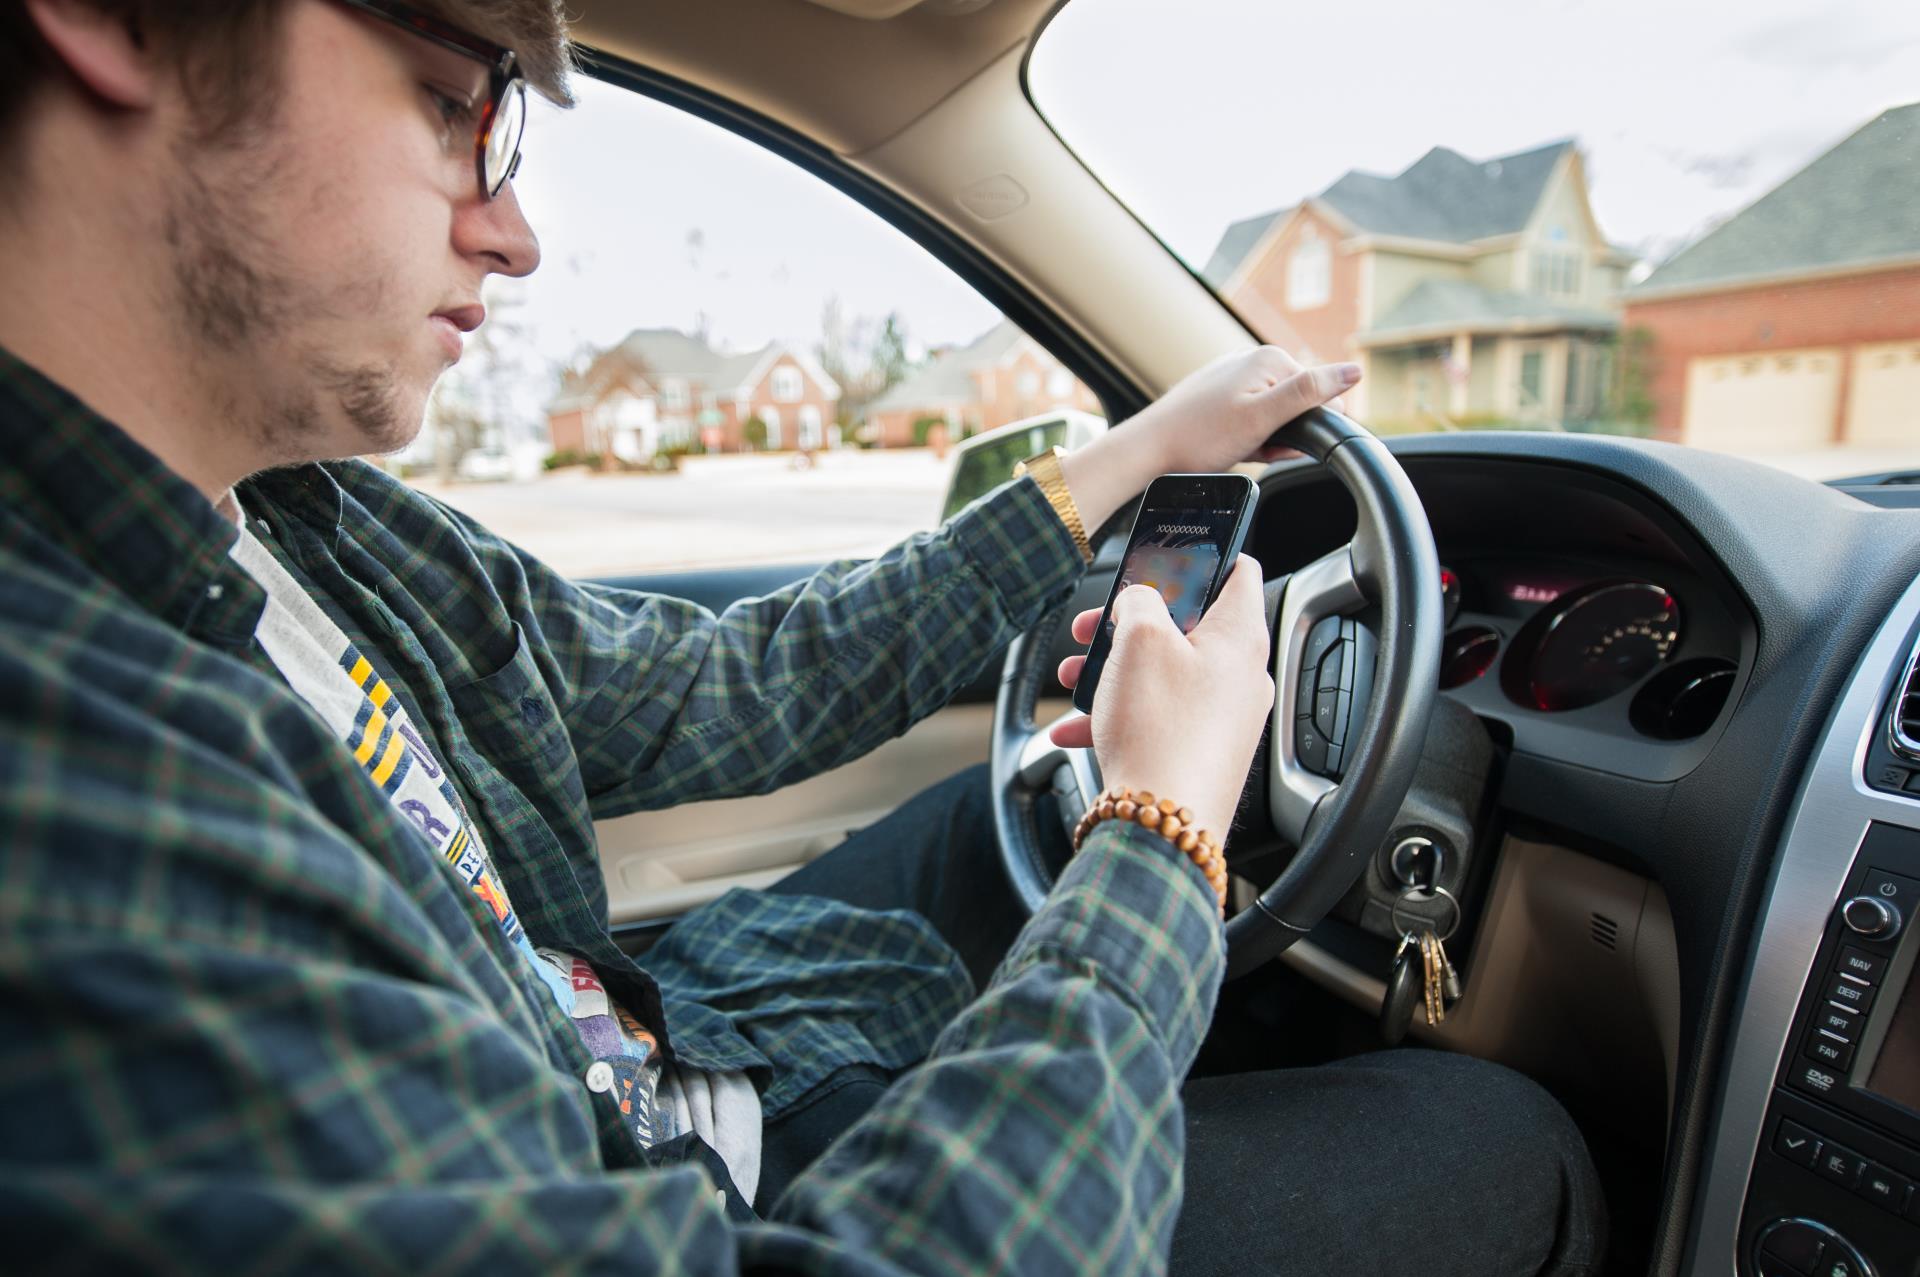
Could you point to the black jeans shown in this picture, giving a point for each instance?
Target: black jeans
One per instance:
(1396, 1162)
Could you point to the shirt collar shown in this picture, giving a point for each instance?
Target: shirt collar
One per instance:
(90, 487)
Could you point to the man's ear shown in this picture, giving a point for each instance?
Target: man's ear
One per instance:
(102, 51)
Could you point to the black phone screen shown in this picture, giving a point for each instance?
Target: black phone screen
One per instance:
(1181, 546)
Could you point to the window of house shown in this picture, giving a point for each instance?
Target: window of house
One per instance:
(786, 383)
(1060, 383)
(1533, 365)
(686, 289)
(1027, 384)
(1309, 272)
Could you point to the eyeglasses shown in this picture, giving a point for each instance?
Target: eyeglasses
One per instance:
(504, 119)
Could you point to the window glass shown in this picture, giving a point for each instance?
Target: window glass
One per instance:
(1512, 214)
(747, 368)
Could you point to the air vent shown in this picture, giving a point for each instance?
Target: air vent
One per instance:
(1606, 932)
(1903, 725)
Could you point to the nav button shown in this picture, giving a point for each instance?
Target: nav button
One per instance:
(1796, 1143)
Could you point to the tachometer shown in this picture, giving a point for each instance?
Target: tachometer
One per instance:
(1591, 644)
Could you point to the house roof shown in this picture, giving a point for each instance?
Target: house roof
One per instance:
(1856, 203)
(1441, 196)
(669, 353)
(948, 378)
(1438, 307)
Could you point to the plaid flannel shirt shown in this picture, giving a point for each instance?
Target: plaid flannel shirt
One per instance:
(249, 1022)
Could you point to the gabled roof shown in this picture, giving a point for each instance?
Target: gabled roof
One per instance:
(669, 353)
(1444, 306)
(1442, 196)
(948, 378)
(1859, 202)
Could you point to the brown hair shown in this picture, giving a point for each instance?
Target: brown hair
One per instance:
(218, 47)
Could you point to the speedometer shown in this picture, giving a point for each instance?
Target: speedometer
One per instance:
(1591, 644)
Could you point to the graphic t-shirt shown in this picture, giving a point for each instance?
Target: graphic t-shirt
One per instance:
(340, 684)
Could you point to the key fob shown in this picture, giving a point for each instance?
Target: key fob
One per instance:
(1404, 989)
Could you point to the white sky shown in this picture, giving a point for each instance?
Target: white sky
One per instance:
(1200, 112)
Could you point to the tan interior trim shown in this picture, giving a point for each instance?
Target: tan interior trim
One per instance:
(662, 863)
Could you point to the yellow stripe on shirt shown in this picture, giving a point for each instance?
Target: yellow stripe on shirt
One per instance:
(390, 760)
(360, 672)
(371, 737)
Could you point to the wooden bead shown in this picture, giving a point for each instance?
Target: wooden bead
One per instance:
(1149, 817)
(1171, 828)
(1144, 798)
(1187, 840)
(1167, 806)
(1106, 810)
(1186, 815)
(1125, 809)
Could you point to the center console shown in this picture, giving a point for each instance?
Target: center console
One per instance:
(1813, 1167)
(1833, 1191)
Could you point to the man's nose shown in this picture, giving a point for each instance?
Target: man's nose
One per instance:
(497, 230)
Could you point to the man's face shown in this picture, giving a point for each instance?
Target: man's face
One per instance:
(326, 258)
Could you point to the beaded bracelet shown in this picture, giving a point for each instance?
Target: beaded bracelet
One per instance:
(1166, 818)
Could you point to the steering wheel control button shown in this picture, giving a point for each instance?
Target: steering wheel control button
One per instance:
(1326, 709)
(1861, 964)
(1794, 1244)
(1830, 1052)
(1842, 1166)
(1310, 746)
(1884, 1189)
(1329, 676)
(1320, 639)
(1796, 1143)
(1848, 992)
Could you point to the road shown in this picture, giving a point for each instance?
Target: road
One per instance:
(719, 511)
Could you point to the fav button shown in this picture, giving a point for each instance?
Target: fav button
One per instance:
(600, 1077)
(1829, 1051)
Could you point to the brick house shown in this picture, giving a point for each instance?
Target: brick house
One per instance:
(661, 388)
(1796, 323)
(1001, 376)
(1464, 288)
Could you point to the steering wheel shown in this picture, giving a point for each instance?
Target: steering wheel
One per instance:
(1390, 570)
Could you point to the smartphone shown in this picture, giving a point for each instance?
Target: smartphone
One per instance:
(1184, 543)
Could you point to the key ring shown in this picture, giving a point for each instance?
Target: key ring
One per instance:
(1393, 915)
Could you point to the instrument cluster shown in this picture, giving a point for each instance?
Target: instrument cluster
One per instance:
(1563, 640)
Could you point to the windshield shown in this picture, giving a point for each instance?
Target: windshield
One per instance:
(1698, 223)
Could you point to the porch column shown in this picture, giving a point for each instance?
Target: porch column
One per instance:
(1458, 371)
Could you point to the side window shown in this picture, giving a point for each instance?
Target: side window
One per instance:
(721, 360)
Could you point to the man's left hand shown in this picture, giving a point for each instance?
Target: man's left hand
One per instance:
(1215, 418)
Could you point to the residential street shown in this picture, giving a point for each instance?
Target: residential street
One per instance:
(719, 511)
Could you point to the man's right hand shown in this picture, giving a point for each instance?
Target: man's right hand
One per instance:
(1179, 714)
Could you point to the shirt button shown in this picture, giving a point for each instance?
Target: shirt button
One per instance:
(600, 1077)
(215, 591)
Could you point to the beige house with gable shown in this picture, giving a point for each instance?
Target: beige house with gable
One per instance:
(1469, 290)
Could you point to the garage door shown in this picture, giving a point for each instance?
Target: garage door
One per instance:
(1883, 404)
(1778, 401)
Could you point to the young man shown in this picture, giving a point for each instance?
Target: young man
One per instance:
(303, 951)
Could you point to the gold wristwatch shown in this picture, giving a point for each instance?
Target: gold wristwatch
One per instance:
(1045, 469)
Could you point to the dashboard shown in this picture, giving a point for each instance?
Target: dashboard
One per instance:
(1677, 652)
